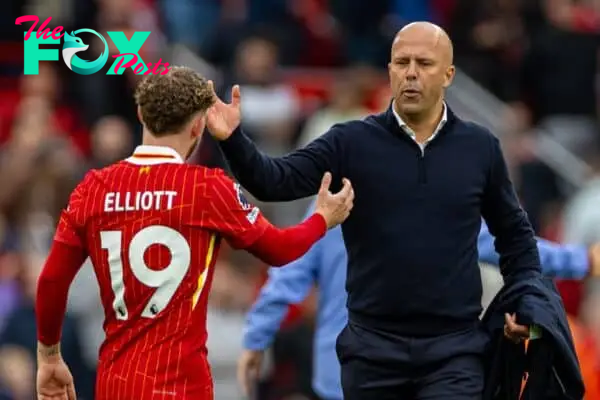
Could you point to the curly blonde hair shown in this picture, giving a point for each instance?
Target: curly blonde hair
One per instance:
(168, 102)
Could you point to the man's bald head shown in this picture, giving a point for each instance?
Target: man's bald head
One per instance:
(420, 69)
(427, 32)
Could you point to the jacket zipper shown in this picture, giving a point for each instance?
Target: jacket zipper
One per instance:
(422, 172)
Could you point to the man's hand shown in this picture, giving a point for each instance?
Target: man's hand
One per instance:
(222, 118)
(594, 256)
(54, 380)
(335, 208)
(514, 332)
(248, 370)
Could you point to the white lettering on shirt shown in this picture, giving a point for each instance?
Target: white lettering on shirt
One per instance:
(139, 201)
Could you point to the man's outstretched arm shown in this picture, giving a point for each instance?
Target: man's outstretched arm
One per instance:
(294, 176)
(561, 261)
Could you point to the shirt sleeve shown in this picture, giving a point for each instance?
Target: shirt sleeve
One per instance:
(293, 176)
(557, 260)
(507, 221)
(231, 214)
(70, 229)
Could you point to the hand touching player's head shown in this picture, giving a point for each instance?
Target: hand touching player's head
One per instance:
(174, 103)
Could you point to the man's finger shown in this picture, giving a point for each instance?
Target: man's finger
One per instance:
(71, 392)
(211, 86)
(514, 328)
(346, 189)
(242, 376)
(236, 95)
(520, 330)
(325, 182)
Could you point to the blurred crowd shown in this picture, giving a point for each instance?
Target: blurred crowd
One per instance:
(303, 65)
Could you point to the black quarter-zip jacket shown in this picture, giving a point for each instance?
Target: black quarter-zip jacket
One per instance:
(412, 235)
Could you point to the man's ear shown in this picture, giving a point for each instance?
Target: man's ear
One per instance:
(450, 72)
(139, 114)
(198, 126)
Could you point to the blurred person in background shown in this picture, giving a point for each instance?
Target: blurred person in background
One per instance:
(18, 340)
(9, 270)
(272, 107)
(489, 39)
(229, 299)
(99, 94)
(37, 169)
(557, 97)
(112, 140)
(345, 104)
(581, 216)
(47, 91)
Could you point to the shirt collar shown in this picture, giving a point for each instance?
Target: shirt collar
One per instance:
(152, 155)
(410, 132)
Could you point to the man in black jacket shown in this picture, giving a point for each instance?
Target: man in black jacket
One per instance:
(423, 178)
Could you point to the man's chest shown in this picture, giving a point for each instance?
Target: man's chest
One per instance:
(447, 174)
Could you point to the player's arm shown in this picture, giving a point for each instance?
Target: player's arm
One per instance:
(67, 254)
(244, 227)
(61, 266)
(558, 260)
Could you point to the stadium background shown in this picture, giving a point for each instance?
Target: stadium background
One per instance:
(527, 69)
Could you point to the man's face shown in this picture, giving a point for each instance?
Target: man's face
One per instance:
(419, 71)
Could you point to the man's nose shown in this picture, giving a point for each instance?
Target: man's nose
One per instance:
(411, 71)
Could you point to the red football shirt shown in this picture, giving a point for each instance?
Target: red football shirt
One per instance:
(151, 225)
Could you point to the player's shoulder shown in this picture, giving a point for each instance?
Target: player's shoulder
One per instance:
(217, 178)
(90, 178)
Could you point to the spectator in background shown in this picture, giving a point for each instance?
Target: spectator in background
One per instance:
(112, 140)
(45, 90)
(191, 23)
(361, 25)
(345, 104)
(37, 174)
(18, 342)
(100, 94)
(581, 217)
(229, 298)
(271, 106)
(489, 38)
(557, 99)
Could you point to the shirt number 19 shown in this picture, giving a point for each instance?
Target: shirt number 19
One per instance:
(166, 281)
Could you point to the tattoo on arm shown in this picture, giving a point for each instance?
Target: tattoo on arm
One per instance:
(48, 351)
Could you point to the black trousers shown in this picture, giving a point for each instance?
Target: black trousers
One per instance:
(382, 366)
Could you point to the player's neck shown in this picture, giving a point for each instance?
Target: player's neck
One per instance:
(175, 142)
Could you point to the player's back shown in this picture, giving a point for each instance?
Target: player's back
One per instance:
(154, 262)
